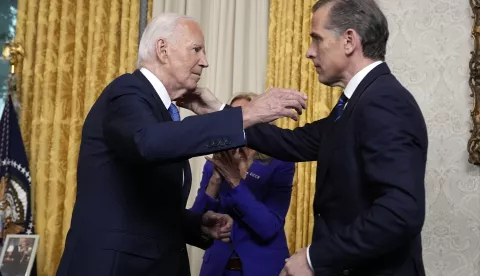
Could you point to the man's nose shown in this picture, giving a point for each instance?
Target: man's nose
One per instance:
(310, 52)
(203, 61)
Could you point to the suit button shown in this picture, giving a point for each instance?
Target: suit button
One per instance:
(182, 249)
(346, 272)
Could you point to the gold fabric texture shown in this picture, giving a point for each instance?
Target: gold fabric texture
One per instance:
(73, 49)
(289, 39)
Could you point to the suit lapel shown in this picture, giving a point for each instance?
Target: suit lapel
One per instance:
(162, 114)
(335, 128)
(160, 111)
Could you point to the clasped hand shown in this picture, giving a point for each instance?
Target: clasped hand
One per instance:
(297, 265)
(232, 165)
(217, 226)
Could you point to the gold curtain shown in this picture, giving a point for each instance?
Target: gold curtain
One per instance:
(288, 42)
(73, 48)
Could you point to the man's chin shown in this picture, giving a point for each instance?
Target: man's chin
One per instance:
(327, 82)
(192, 84)
(191, 88)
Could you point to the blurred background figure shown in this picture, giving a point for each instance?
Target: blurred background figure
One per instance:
(255, 190)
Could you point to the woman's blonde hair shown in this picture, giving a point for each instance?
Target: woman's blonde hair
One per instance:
(249, 96)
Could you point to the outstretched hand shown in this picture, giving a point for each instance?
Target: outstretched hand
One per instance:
(275, 103)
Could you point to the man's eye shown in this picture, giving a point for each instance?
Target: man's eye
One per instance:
(197, 49)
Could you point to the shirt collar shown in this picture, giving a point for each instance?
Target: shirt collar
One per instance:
(355, 81)
(158, 86)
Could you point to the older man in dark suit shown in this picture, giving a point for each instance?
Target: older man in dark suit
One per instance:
(133, 172)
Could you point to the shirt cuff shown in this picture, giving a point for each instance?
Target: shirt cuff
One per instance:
(308, 257)
(222, 107)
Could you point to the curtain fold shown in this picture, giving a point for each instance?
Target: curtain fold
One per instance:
(288, 41)
(73, 48)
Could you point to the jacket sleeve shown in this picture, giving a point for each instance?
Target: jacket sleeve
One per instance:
(204, 202)
(192, 229)
(136, 135)
(298, 145)
(393, 148)
(267, 218)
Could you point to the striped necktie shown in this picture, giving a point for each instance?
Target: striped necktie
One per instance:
(340, 106)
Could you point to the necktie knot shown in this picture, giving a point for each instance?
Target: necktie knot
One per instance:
(340, 106)
(173, 110)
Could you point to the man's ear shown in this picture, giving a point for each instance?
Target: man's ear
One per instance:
(351, 41)
(161, 50)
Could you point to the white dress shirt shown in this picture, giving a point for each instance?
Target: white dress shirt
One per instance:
(158, 86)
(357, 79)
(348, 91)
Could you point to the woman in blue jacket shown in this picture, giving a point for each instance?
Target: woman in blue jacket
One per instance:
(255, 191)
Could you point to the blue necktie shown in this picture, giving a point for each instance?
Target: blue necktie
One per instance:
(173, 110)
(340, 107)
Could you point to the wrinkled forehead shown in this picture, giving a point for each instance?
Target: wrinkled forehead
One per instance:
(188, 32)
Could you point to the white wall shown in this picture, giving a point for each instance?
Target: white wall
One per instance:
(429, 51)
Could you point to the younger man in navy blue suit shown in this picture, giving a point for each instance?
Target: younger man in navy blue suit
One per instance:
(369, 205)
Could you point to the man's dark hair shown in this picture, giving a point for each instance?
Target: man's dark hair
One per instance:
(363, 16)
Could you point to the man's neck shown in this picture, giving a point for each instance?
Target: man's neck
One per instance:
(166, 80)
(354, 68)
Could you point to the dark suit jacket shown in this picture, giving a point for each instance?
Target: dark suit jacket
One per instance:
(129, 217)
(369, 204)
(258, 206)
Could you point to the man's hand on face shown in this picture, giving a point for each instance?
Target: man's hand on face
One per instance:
(273, 104)
(217, 226)
(200, 101)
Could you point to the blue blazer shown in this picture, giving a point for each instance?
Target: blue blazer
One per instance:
(369, 204)
(131, 155)
(258, 206)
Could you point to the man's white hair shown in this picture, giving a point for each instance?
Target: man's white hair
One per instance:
(161, 26)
